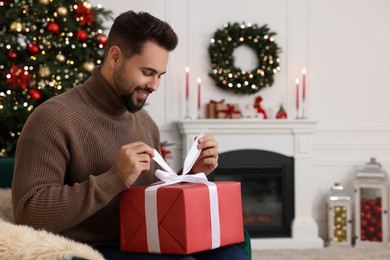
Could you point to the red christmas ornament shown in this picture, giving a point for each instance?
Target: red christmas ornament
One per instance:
(53, 27)
(35, 94)
(102, 39)
(12, 55)
(363, 223)
(84, 15)
(82, 35)
(371, 229)
(18, 77)
(281, 113)
(32, 48)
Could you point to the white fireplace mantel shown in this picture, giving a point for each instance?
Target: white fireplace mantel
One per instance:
(287, 137)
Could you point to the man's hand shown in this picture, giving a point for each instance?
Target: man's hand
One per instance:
(208, 158)
(133, 159)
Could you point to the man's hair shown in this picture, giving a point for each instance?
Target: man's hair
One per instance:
(131, 30)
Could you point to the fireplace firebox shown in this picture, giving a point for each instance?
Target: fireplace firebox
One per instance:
(267, 186)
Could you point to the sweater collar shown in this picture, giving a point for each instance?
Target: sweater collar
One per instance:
(104, 95)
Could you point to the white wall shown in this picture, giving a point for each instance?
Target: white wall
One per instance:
(345, 47)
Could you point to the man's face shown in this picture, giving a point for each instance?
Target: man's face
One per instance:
(137, 77)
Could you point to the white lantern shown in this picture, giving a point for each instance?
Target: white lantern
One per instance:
(339, 217)
(371, 205)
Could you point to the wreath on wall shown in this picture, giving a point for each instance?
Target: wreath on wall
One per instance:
(230, 77)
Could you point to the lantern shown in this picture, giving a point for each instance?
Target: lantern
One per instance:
(339, 216)
(371, 204)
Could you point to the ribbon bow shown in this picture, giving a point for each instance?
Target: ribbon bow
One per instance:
(168, 177)
(217, 102)
(229, 111)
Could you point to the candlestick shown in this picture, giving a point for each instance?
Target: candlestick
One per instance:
(199, 81)
(297, 97)
(303, 93)
(303, 84)
(187, 81)
(187, 97)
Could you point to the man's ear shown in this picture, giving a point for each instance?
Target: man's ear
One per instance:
(114, 55)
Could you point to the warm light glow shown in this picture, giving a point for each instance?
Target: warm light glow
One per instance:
(303, 71)
(187, 69)
(198, 80)
(297, 81)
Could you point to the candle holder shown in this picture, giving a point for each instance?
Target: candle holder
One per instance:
(303, 109)
(187, 116)
(199, 113)
(297, 113)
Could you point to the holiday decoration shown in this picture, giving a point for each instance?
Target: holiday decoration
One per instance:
(260, 110)
(228, 111)
(165, 153)
(339, 216)
(211, 108)
(281, 114)
(42, 54)
(371, 205)
(228, 76)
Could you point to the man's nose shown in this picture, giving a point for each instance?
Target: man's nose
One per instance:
(154, 83)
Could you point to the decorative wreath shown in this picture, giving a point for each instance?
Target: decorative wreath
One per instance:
(229, 77)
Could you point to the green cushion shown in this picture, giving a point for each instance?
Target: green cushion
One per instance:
(246, 245)
(6, 172)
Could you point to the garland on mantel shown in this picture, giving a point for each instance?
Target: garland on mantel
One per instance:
(229, 77)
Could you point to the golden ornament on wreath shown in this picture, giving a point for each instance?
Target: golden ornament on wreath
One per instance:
(228, 111)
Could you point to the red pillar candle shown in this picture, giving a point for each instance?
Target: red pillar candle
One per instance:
(187, 81)
(303, 84)
(199, 81)
(297, 92)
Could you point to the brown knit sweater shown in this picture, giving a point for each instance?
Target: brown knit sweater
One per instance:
(65, 180)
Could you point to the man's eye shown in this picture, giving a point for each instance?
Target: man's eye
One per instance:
(148, 73)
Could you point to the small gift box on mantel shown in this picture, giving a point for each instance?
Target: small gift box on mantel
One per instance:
(182, 214)
(211, 108)
(228, 111)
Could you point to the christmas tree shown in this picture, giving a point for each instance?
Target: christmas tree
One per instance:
(46, 48)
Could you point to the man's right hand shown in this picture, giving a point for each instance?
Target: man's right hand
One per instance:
(133, 159)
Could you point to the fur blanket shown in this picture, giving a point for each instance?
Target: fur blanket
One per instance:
(23, 242)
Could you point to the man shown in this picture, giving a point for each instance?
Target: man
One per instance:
(79, 150)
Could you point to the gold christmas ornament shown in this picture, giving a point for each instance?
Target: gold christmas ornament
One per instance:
(88, 66)
(60, 57)
(16, 27)
(44, 71)
(44, 2)
(62, 11)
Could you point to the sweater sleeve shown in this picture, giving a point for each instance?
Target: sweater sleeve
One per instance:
(40, 198)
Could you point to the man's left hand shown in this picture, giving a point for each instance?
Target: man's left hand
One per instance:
(208, 158)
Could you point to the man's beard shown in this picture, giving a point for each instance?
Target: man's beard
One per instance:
(130, 105)
(128, 98)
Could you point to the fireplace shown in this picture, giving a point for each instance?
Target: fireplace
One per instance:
(267, 186)
(288, 138)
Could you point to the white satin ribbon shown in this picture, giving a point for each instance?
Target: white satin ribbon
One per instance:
(169, 177)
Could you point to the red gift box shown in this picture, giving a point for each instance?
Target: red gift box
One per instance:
(184, 221)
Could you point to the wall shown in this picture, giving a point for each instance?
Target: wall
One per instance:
(344, 45)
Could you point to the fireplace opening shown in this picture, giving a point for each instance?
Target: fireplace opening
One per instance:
(267, 187)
